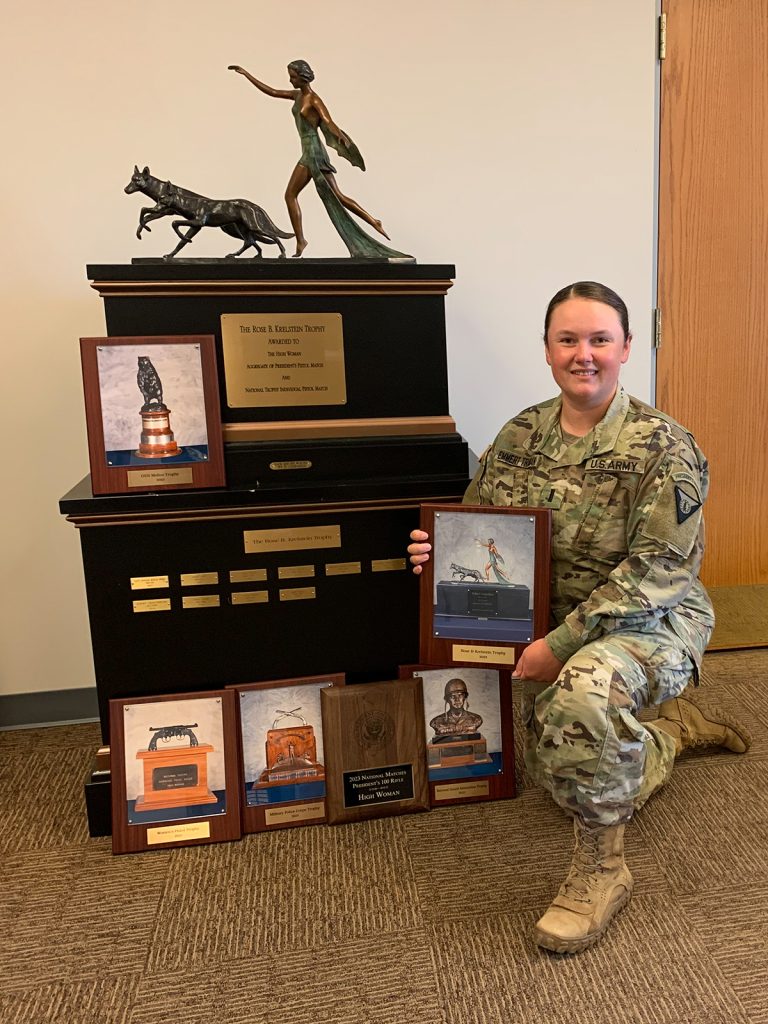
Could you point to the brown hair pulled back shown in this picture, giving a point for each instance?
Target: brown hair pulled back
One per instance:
(589, 290)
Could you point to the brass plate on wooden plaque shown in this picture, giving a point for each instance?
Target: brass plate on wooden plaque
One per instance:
(158, 604)
(250, 597)
(484, 655)
(387, 564)
(298, 464)
(298, 594)
(303, 538)
(276, 816)
(462, 790)
(159, 477)
(179, 833)
(247, 575)
(197, 579)
(295, 572)
(149, 582)
(343, 568)
(201, 601)
(375, 750)
(283, 359)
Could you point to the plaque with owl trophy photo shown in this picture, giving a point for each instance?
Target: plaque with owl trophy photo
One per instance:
(152, 412)
(282, 751)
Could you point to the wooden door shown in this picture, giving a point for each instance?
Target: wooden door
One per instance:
(712, 368)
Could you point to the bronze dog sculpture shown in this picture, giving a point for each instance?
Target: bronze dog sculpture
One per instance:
(238, 217)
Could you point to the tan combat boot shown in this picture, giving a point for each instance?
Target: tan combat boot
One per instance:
(689, 726)
(598, 885)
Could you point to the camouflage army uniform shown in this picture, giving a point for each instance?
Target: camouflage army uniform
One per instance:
(630, 618)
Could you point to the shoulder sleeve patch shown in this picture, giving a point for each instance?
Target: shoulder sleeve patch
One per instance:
(674, 515)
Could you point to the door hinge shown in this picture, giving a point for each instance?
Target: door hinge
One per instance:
(657, 327)
(662, 36)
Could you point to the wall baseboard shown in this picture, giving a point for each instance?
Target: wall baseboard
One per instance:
(49, 707)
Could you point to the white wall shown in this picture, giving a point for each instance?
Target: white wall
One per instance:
(514, 139)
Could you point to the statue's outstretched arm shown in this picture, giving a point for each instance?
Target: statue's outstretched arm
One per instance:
(282, 94)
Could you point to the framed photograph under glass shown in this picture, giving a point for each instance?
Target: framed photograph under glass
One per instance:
(485, 589)
(469, 732)
(282, 753)
(152, 411)
(174, 770)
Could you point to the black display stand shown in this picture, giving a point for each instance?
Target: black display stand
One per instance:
(176, 600)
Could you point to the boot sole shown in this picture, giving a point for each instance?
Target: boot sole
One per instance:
(556, 944)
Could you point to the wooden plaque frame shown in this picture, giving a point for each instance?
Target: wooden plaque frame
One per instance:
(162, 473)
(481, 633)
(283, 813)
(183, 829)
(457, 786)
(375, 751)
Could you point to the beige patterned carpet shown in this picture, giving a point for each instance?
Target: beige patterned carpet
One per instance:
(417, 920)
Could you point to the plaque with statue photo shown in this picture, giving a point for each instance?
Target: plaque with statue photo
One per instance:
(282, 752)
(469, 732)
(152, 412)
(174, 770)
(485, 588)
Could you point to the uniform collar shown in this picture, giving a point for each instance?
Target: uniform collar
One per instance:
(547, 439)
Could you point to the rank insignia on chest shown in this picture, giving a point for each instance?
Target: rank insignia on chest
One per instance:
(686, 504)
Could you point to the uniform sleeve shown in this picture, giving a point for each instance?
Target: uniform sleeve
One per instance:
(479, 490)
(665, 548)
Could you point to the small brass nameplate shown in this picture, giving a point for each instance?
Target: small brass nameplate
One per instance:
(158, 604)
(303, 464)
(301, 812)
(148, 582)
(197, 579)
(300, 539)
(159, 477)
(387, 564)
(250, 597)
(298, 594)
(295, 572)
(462, 790)
(201, 601)
(283, 359)
(179, 833)
(247, 575)
(342, 568)
(491, 655)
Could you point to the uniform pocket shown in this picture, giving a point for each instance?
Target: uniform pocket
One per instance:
(598, 491)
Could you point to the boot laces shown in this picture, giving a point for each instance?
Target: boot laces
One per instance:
(584, 868)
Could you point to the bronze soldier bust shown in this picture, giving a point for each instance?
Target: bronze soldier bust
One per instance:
(456, 722)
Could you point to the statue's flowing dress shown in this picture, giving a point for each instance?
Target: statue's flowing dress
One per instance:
(314, 156)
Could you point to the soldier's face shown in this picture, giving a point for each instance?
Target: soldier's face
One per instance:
(586, 348)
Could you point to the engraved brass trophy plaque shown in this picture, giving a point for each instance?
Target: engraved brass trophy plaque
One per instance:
(283, 359)
(375, 750)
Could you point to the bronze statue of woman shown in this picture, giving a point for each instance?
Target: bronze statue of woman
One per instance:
(311, 116)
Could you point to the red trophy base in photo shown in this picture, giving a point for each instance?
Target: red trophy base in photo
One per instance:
(157, 440)
(175, 778)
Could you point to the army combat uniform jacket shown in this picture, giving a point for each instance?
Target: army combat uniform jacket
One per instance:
(627, 530)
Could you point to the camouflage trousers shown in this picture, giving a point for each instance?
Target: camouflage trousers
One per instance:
(583, 742)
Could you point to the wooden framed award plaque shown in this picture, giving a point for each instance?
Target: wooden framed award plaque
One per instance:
(469, 732)
(174, 771)
(282, 752)
(375, 751)
(485, 588)
(153, 415)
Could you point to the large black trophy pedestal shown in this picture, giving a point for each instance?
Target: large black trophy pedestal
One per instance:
(298, 566)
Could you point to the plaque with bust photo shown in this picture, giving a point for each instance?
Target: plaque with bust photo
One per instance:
(282, 752)
(375, 753)
(152, 411)
(469, 732)
(174, 770)
(485, 589)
